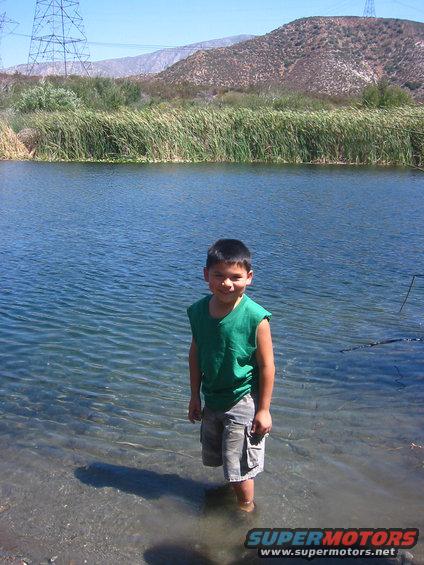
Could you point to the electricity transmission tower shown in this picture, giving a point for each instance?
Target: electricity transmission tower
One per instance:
(58, 37)
(369, 9)
(4, 22)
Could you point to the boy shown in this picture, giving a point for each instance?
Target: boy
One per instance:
(231, 356)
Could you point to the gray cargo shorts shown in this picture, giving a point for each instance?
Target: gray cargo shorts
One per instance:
(227, 440)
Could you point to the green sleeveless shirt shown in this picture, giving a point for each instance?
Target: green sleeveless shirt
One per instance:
(226, 350)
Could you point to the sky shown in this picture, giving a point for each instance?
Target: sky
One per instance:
(132, 27)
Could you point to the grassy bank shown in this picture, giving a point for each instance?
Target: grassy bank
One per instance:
(10, 146)
(235, 135)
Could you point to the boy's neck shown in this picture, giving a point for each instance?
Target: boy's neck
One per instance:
(218, 309)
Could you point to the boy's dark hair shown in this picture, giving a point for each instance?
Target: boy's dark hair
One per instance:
(229, 251)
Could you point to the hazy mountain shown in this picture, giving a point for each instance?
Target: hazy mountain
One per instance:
(331, 55)
(139, 65)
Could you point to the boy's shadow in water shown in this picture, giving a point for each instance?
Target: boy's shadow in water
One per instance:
(141, 482)
(176, 554)
(152, 485)
(185, 555)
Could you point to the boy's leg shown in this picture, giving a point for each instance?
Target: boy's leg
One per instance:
(245, 492)
(242, 453)
(211, 438)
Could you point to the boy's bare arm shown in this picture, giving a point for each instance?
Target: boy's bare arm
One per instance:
(194, 407)
(262, 422)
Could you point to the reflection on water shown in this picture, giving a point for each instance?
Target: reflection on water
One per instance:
(99, 262)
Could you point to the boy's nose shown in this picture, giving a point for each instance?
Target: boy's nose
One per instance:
(227, 282)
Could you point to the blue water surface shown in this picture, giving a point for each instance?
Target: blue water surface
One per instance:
(98, 264)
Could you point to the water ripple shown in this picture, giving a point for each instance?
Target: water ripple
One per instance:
(97, 269)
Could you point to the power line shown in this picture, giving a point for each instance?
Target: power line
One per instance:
(136, 45)
(369, 11)
(337, 6)
(408, 6)
(2, 20)
(139, 45)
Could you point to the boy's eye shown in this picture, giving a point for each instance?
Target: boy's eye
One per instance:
(234, 278)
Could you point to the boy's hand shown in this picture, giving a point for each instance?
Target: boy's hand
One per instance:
(262, 423)
(194, 410)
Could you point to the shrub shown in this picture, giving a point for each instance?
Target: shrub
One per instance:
(273, 97)
(299, 101)
(103, 93)
(383, 95)
(371, 96)
(413, 85)
(242, 100)
(47, 98)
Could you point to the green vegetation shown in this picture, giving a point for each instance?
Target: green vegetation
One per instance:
(47, 98)
(52, 93)
(298, 101)
(231, 134)
(100, 93)
(382, 95)
(31, 93)
(413, 85)
(117, 120)
(276, 98)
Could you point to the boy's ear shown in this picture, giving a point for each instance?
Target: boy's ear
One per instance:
(206, 274)
(249, 278)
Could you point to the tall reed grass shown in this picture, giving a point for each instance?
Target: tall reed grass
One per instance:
(234, 135)
(10, 146)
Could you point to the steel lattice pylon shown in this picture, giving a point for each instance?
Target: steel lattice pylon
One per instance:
(4, 23)
(58, 37)
(369, 9)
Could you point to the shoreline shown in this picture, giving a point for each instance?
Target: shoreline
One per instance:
(187, 162)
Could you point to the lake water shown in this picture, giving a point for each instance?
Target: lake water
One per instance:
(98, 263)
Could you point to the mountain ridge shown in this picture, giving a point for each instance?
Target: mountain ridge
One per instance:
(336, 55)
(137, 65)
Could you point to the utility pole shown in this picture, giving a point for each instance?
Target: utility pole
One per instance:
(58, 37)
(369, 9)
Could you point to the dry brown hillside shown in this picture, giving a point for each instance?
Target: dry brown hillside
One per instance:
(329, 55)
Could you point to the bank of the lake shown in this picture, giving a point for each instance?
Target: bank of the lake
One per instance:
(204, 134)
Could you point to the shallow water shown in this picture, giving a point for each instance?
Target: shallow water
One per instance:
(98, 264)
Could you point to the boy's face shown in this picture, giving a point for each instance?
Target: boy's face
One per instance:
(227, 281)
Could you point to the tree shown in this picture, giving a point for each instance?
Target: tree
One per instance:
(383, 95)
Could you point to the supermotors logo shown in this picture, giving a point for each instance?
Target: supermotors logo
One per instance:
(330, 542)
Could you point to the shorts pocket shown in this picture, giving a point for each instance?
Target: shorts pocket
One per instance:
(255, 447)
